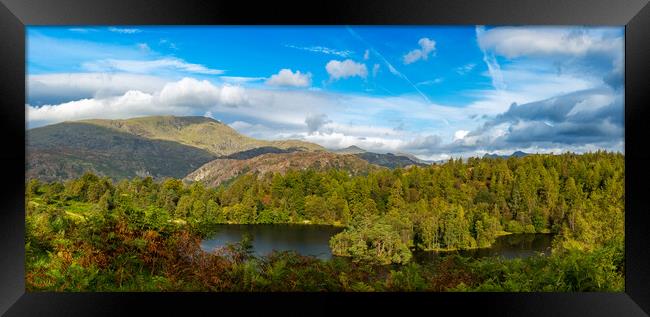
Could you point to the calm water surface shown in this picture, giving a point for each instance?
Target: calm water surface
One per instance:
(313, 240)
(304, 239)
(510, 246)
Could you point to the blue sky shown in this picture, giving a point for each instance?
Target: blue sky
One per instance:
(435, 92)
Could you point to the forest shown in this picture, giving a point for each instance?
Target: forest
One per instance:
(93, 234)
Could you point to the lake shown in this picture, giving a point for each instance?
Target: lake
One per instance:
(510, 246)
(304, 239)
(313, 240)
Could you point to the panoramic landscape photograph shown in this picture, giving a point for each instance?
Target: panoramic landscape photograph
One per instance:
(324, 159)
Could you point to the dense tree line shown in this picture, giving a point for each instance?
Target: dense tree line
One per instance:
(457, 205)
(387, 213)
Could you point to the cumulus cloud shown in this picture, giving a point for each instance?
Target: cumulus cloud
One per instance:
(512, 42)
(182, 97)
(233, 96)
(63, 87)
(132, 103)
(427, 46)
(589, 104)
(286, 77)
(345, 69)
(586, 51)
(460, 134)
(189, 92)
(580, 118)
(148, 66)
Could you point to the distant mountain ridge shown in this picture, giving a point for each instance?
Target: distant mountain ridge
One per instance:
(415, 158)
(514, 154)
(220, 170)
(352, 149)
(389, 160)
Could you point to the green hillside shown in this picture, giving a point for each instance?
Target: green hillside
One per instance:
(66, 150)
(201, 132)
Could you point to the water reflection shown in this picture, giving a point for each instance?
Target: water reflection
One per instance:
(313, 240)
(509, 247)
(310, 240)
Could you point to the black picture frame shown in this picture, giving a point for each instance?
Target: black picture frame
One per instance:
(16, 14)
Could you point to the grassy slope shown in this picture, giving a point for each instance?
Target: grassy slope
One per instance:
(66, 150)
(201, 132)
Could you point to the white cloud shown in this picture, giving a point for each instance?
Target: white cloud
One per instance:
(344, 69)
(513, 42)
(240, 80)
(591, 103)
(366, 55)
(323, 50)
(525, 85)
(288, 78)
(460, 134)
(124, 30)
(337, 140)
(233, 96)
(430, 82)
(63, 87)
(494, 69)
(462, 70)
(594, 52)
(187, 96)
(168, 44)
(375, 70)
(148, 66)
(190, 92)
(144, 47)
(132, 103)
(426, 47)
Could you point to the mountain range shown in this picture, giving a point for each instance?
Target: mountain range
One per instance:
(514, 154)
(389, 160)
(192, 148)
